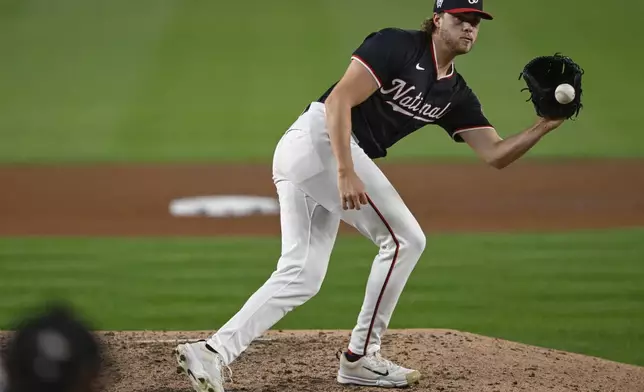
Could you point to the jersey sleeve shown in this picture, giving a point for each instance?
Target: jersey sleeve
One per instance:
(384, 53)
(467, 115)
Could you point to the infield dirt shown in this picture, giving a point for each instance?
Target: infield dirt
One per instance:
(121, 200)
(305, 361)
(134, 200)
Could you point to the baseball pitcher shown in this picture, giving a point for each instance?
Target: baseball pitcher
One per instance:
(397, 82)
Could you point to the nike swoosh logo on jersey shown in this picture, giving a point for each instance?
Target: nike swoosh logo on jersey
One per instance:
(377, 372)
(418, 67)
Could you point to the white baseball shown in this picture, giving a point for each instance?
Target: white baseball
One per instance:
(564, 93)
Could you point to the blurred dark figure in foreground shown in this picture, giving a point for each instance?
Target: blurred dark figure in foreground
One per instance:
(52, 351)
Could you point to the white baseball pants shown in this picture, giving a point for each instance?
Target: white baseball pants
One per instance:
(305, 175)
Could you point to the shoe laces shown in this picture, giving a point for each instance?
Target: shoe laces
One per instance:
(229, 377)
(220, 362)
(377, 358)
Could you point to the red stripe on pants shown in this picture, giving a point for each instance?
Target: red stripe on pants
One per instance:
(391, 269)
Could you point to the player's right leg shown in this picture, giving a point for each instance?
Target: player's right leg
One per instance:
(308, 235)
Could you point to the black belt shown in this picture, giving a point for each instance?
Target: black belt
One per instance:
(309, 107)
(352, 133)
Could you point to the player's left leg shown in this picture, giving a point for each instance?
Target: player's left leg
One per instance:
(392, 227)
(399, 241)
(389, 223)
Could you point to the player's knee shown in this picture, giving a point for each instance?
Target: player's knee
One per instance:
(314, 288)
(413, 242)
(309, 290)
(309, 281)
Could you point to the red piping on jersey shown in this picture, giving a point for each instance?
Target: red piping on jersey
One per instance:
(468, 128)
(373, 73)
(459, 130)
(432, 49)
(391, 270)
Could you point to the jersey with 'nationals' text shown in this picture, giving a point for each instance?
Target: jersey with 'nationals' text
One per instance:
(409, 95)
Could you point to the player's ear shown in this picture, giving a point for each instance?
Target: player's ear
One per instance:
(438, 19)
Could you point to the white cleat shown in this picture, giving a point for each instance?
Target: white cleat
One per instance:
(376, 371)
(202, 366)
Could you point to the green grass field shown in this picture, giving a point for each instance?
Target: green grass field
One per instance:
(221, 80)
(580, 292)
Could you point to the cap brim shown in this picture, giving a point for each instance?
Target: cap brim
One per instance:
(484, 15)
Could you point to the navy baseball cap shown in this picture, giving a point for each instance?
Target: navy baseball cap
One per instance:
(461, 6)
(54, 351)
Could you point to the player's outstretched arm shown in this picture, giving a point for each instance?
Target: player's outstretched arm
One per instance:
(499, 152)
(355, 86)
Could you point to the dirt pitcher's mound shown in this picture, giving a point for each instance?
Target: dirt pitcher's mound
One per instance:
(306, 361)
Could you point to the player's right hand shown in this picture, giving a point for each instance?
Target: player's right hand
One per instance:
(352, 192)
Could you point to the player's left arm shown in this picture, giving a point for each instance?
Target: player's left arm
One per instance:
(467, 123)
(499, 152)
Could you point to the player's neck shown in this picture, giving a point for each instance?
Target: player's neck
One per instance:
(444, 56)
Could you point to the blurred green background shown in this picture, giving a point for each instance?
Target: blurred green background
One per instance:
(149, 80)
(167, 80)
